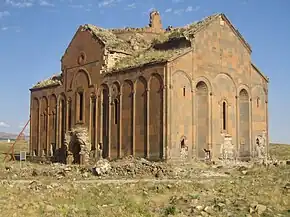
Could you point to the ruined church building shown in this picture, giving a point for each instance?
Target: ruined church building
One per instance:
(155, 93)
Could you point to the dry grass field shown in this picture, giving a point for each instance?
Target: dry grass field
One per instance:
(194, 190)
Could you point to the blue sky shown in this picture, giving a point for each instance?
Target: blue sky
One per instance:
(35, 33)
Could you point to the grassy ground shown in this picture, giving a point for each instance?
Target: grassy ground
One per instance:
(256, 191)
(280, 151)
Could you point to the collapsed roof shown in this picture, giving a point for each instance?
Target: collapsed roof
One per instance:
(139, 50)
(137, 47)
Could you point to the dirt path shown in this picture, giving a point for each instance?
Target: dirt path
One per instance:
(118, 181)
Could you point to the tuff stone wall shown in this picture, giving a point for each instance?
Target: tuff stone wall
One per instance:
(221, 66)
(181, 109)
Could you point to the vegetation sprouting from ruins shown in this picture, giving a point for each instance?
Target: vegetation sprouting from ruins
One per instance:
(136, 49)
(147, 57)
(52, 81)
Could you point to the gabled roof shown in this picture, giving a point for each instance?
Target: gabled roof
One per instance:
(138, 51)
(238, 34)
(109, 39)
(260, 72)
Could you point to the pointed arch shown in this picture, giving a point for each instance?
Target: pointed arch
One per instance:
(202, 115)
(43, 124)
(244, 124)
(181, 103)
(53, 126)
(35, 125)
(61, 114)
(259, 111)
(141, 117)
(156, 116)
(206, 81)
(81, 78)
(103, 118)
(127, 118)
(115, 122)
(183, 73)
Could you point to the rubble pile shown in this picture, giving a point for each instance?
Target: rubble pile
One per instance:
(131, 168)
(79, 145)
(138, 167)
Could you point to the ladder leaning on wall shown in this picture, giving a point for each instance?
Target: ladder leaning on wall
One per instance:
(11, 150)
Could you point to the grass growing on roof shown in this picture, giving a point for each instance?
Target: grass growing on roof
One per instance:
(47, 82)
(142, 58)
(53, 80)
(110, 39)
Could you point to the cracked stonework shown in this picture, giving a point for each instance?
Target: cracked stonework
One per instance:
(78, 145)
(227, 148)
(261, 141)
(184, 149)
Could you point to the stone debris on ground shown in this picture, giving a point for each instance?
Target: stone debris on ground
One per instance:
(223, 188)
(130, 167)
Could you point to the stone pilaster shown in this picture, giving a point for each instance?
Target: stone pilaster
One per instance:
(251, 128)
(193, 151)
(48, 130)
(267, 125)
(210, 122)
(237, 128)
(101, 118)
(134, 122)
(109, 127)
(164, 113)
(96, 124)
(39, 129)
(147, 122)
(120, 123)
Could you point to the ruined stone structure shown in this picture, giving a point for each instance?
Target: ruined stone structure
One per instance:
(157, 93)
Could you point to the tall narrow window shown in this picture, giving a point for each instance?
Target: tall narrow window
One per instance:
(53, 119)
(69, 115)
(94, 112)
(116, 111)
(81, 101)
(183, 91)
(224, 116)
(258, 102)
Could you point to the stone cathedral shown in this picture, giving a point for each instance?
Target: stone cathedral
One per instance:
(159, 93)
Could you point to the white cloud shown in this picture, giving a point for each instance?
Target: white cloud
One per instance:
(108, 3)
(15, 28)
(196, 8)
(3, 124)
(168, 10)
(131, 6)
(178, 11)
(188, 9)
(20, 3)
(4, 14)
(45, 3)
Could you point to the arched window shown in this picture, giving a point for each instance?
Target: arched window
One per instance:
(183, 91)
(224, 115)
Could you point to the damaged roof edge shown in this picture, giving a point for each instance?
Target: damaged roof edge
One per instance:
(260, 72)
(138, 66)
(44, 87)
(153, 63)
